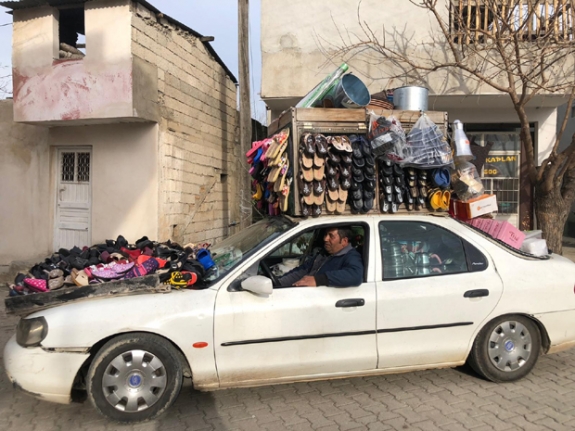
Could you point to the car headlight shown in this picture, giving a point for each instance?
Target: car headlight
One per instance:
(31, 332)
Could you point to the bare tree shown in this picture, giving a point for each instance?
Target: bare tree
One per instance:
(5, 82)
(521, 48)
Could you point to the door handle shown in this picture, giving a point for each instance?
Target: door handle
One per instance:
(352, 302)
(477, 293)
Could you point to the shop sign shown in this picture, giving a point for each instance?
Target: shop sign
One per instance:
(501, 166)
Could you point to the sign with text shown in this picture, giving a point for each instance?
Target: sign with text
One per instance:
(506, 166)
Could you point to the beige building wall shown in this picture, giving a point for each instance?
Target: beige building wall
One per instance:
(124, 177)
(200, 161)
(301, 43)
(25, 219)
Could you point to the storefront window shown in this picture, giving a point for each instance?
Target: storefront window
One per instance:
(500, 173)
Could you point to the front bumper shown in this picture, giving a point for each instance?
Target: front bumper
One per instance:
(45, 375)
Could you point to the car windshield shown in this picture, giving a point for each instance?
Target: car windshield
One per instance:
(231, 251)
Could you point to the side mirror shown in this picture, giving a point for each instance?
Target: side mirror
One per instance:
(258, 284)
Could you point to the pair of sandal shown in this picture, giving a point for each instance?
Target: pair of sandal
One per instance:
(310, 210)
(312, 193)
(439, 199)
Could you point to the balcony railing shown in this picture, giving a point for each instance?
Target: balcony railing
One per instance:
(481, 21)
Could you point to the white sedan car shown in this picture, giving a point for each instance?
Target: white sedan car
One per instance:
(436, 293)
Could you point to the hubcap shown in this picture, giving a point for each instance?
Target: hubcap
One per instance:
(509, 346)
(134, 381)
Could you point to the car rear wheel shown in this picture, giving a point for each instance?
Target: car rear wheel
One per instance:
(506, 349)
(134, 378)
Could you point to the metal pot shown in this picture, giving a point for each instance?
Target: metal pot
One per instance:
(392, 249)
(410, 98)
(393, 271)
(393, 260)
(422, 259)
(421, 270)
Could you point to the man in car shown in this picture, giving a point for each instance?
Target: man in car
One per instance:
(340, 266)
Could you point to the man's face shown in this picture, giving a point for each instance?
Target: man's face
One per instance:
(333, 243)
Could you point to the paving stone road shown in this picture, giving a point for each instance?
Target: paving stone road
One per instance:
(450, 399)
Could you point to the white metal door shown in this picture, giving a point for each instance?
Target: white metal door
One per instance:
(73, 198)
(432, 319)
(295, 332)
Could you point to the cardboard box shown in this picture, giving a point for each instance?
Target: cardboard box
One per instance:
(475, 207)
(509, 234)
(495, 227)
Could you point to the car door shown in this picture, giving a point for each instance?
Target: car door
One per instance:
(296, 331)
(427, 312)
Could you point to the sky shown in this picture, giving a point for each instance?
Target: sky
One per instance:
(210, 18)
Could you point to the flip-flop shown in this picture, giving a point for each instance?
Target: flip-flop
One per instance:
(255, 147)
(340, 207)
(308, 144)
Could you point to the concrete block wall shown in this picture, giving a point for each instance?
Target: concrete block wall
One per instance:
(201, 166)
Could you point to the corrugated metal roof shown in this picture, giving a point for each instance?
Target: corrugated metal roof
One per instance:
(26, 4)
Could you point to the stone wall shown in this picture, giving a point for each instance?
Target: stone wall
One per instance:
(202, 172)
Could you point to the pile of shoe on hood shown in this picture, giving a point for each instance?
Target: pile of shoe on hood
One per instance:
(180, 267)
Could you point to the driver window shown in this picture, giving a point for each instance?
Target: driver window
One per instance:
(289, 255)
(296, 248)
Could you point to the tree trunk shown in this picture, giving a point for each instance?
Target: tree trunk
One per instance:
(552, 212)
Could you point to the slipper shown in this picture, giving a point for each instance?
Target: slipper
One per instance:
(345, 183)
(319, 173)
(333, 157)
(259, 192)
(333, 195)
(331, 171)
(337, 143)
(284, 199)
(342, 195)
(308, 144)
(359, 162)
(345, 171)
(330, 205)
(309, 199)
(318, 160)
(445, 200)
(320, 142)
(346, 159)
(305, 208)
(356, 149)
(304, 187)
(346, 142)
(307, 174)
(255, 147)
(340, 207)
(316, 211)
(333, 183)
(436, 199)
(319, 191)
(280, 180)
(306, 160)
(80, 278)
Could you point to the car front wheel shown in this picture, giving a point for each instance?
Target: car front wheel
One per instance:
(134, 378)
(506, 349)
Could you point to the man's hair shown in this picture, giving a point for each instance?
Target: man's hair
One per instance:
(344, 232)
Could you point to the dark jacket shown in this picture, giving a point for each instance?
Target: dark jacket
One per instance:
(343, 269)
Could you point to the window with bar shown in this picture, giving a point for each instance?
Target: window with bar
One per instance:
(479, 21)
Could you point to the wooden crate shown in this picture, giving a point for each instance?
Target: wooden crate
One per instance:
(337, 122)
